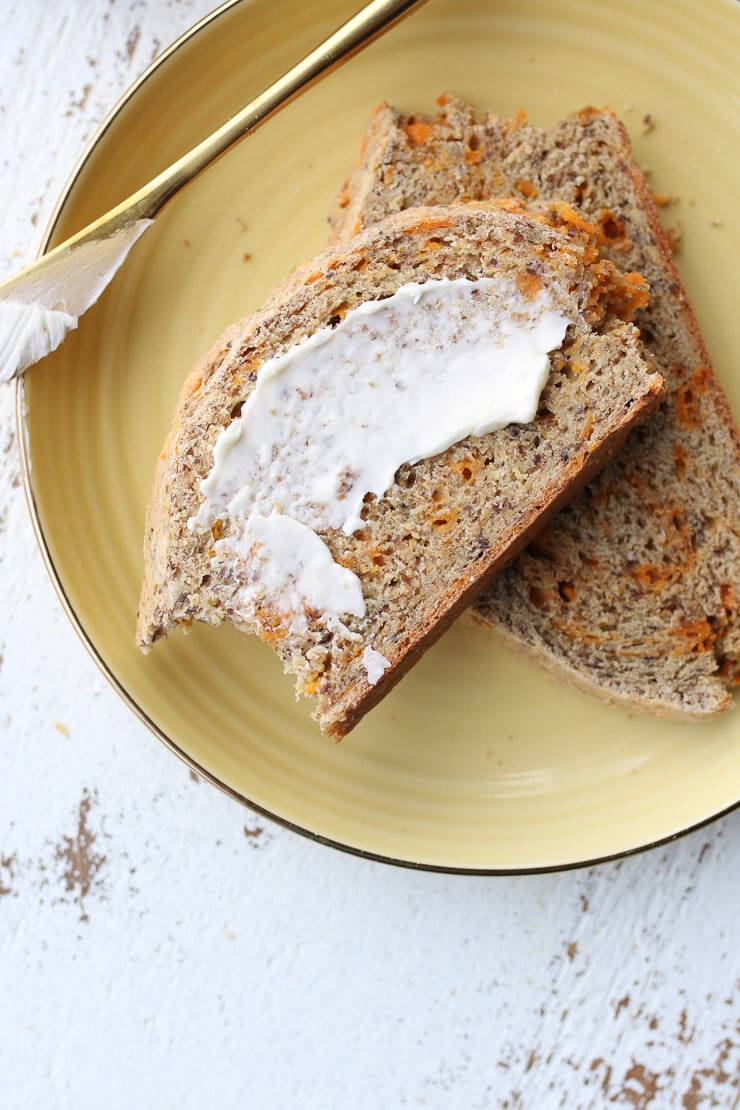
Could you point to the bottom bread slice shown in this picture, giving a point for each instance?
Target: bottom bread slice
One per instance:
(422, 548)
(633, 593)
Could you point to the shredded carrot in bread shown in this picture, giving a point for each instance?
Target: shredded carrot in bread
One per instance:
(271, 625)
(418, 131)
(688, 406)
(529, 283)
(699, 636)
(526, 187)
(647, 575)
(702, 379)
(513, 204)
(467, 467)
(632, 294)
(428, 223)
(570, 218)
(519, 120)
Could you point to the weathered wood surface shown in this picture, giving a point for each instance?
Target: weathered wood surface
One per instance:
(162, 947)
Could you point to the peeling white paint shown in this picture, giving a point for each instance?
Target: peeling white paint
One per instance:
(229, 963)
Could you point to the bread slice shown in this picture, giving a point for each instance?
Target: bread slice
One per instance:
(632, 593)
(447, 523)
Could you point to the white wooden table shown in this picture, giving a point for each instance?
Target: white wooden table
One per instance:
(160, 946)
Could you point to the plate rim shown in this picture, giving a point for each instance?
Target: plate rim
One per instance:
(77, 623)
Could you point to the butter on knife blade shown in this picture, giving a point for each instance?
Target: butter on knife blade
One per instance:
(29, 332)
(64, 283)
(34, 319)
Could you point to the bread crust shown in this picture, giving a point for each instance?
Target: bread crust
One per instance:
(650, 552)
(430, 544)
(348, 711)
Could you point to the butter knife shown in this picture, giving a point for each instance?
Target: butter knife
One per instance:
(42, 303)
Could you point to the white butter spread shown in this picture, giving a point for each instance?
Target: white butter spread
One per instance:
(37, 310)
(375, 664)
(292, 569)
(30, 332)
(397, 380)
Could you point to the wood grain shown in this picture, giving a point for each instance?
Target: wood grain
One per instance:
(160, 946)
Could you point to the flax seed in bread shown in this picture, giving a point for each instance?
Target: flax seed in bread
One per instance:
(632, 593)
(447, 523)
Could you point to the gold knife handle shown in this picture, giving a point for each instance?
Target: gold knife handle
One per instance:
(358, 32)
(352, 37)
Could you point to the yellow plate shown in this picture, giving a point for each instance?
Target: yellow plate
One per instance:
(476, 761)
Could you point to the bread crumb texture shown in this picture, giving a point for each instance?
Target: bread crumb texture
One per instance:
(632, 592)
(447, 524)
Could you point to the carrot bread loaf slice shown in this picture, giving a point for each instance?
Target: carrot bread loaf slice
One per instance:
(350, 465)
(632, 592)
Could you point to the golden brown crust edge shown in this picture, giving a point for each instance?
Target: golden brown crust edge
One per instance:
(350, 711)
(650, 209)
(161, 585)
(387, 127)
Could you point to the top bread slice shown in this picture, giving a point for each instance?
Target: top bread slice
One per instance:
(448, 523)
(632, 592)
